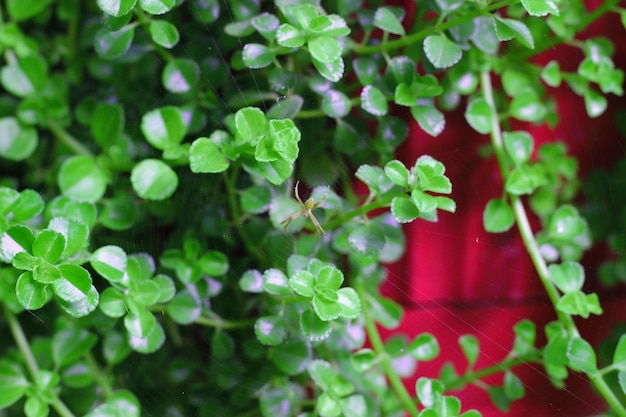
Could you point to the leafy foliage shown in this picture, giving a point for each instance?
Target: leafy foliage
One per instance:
(149, 151)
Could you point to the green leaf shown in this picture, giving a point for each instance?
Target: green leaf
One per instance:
(25, 77)
(363, 359)
(429, 391)
(513, 386)
(551, 74)
(430, 119)
(71, 344)
(568, 276)
(327, 406)
(76, 233)
(110, 262)
(184, 308)
(163, 33)
(366, 70)
(49, 245)
(374, 101)
(424, 347)
(540, 7)
(148, 344)
(350, 303)
(290, 36)
(507, 29)
(329, 25)
(180, 76)
(498, 216)
(213, 263)
(140, 324)
(14, 240)
(291, 358)
(321, 373)
(332, 71)
(367, 239)
(112, 303)
(275, 282)
(303, 282)
(205, 156)
(566, 223)
(116, 7)
(336, 104)
(112, 45)
(478, 115)
(266, 24)
(330, 277)
(270, 330)
(81, 179)
(527, 106)
(441, 51)
(325, 303)
(152, 179)
(354, 406)
(524, 179)
(164, 127)
(518, 145)
(403, 209)
(256, 55)
(74, 284)
(13, 381)
(621, 375)
(24, 9)
(579, 303)
(28, 205)
(17, 142)
(157, 6)
(386, 20)
(619, 355)
(314, 329)
(114, 347)
(222, 345)
(325, 49)
(145, 292)
(251, 281)
(250, 124)
(107, 124)
(32, 295)
(581, 355)
(385, 311)
(470, 347)
(595, 103)
(483, 34)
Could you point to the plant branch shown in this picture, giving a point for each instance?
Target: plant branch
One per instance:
(479, 374)
(384, 361)
(523, 224)
(68, 140)
(31, 363)
(423, 34)
(103, 382)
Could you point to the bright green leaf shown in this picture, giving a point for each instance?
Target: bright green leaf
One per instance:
(386, 20)
(498, 216)
(163, 33)
(374, 101)
(152, 179)
(17, 142)
(81, 179)
(441, 51)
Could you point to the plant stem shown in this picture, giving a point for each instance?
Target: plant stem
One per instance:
(470, 377)
(360, 49)
(384, 361)
(358, 211)
(523, 224)
(31, 363)
(220, 323)
(103, 382)
(68, 140)
(235, 215)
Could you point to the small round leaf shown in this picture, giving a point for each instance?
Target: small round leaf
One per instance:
(152, 179)
(81, 179)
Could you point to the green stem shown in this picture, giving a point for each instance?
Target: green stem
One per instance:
(31, 363)
(68, 140)
(532, 247)
(220, 323)
(358, 211)
(360, 49)
(473, 376)
(235, 215)
(384, 360)
(102, 380)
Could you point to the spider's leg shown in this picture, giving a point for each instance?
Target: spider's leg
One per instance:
(295, 191)
(318, 226)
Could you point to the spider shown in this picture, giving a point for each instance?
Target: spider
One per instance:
(306, 210)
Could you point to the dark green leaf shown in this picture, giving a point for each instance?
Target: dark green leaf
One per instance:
(291, 357)
(112, 45)
(213, 263)
(25, 77)
(374, 101)
(366, 70)
(107, 124)
(313, 327)
(71, 344)
(25, 9)
(336, 104)
(180, 76)
(184, 308)
(270, 330)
